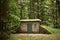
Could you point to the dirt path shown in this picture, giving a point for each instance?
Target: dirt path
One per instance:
(56, 37)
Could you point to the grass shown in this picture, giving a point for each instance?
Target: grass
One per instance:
(32, 36)
(51, 29)
(55, 32)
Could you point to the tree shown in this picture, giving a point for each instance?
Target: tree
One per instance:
(3, 19)
(57, 13)
(9, 17)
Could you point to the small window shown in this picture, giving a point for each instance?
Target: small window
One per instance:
(34, 25)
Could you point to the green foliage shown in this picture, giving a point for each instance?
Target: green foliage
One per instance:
(9, 18)
(52, 30)
(9, 15)
(46, 10)
(11, 12)
(14, 15)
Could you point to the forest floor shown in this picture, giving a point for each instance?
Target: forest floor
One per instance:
(34, 37)
(54, 36)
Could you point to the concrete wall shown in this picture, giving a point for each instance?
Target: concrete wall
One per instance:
(23, 27)
(35, 26)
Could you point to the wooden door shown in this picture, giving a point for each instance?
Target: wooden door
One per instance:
(29, 27)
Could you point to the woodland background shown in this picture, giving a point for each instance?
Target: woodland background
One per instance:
(11, 11)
